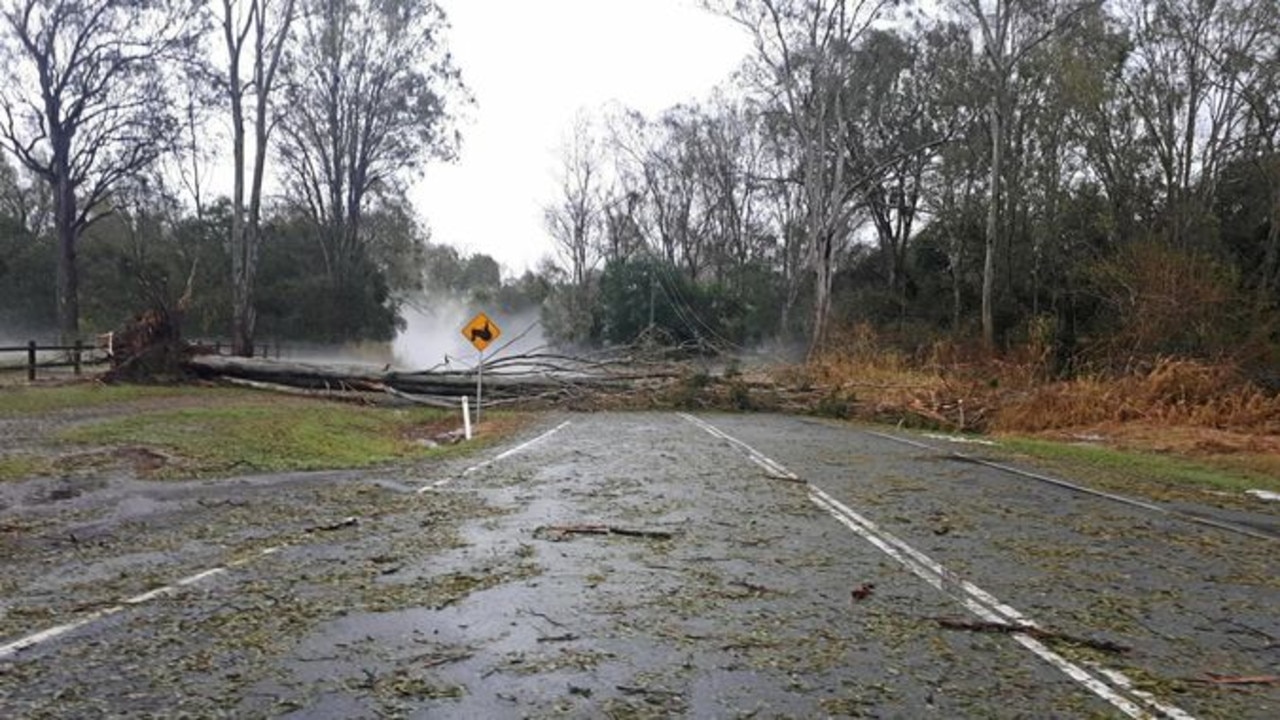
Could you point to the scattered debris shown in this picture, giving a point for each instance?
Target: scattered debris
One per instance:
(567, 637)
(544, 616)
(939, 523)
(753, 588)
(438, 660)
(863, 591)
(1216, 679)
(960, 439)
(560, 533)
(1032, 631)
(1267, 495)
(451, 437)
(647, 692)
(343, 523)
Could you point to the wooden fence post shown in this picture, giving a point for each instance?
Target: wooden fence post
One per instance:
(75, 359)
(31, 360)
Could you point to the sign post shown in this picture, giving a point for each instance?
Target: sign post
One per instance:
(480, 332)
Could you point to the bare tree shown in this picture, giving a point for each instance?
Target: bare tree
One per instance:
(574, 220)
(371, 94)
(1010, 30)
(254, 33)
(1189, 81)
(804, 52)
(83, 106)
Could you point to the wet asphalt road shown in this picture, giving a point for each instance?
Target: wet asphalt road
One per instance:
(766, 566)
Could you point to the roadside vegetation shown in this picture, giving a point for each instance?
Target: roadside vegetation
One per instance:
(1158, 425)
(198, 431)
(18, 400)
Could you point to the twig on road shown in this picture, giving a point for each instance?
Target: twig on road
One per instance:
(343, 523)
(567, 637)
(752, 588)
(546, 617)
(1031, 631)
(438, 660)
(560, 533)
(653, 692)
(1216, 679)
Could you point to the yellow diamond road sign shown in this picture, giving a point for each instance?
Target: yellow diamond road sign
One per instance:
(481, 331)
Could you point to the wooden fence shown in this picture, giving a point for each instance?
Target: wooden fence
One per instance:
(75, 355)
(81, 354)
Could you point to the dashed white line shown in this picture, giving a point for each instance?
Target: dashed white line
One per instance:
(1120, 693)
(55, 632)
(496, 458)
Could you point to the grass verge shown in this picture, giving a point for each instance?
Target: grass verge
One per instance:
(1123, 469)
(186, 431)
(15, 401)
(267, 436)
(16, 467)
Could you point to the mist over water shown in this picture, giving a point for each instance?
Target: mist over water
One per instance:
(432, 338)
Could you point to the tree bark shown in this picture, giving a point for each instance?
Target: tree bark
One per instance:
(68, 275)
(242, 317)
(993, 230)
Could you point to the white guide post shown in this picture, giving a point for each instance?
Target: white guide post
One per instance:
(466, 416)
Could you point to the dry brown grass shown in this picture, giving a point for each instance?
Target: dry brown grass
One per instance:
(1175, 405)
(946, 387)
(1174, 392)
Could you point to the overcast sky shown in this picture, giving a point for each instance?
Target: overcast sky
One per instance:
(532, 66)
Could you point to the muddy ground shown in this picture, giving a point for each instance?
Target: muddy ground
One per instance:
(725, 590)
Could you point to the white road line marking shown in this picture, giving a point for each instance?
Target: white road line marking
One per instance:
(751, 452)
(1024, 473)
(978, 601)
(972, 597)
(193, 579)
(1123, 499)
(1122, 680)
(500, 456)
(261, 554)
(151, 595)
(60, 630)
(54, 632)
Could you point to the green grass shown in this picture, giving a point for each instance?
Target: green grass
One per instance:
(20, 467)
(266, 436)
(29, 400)
(1168, 470)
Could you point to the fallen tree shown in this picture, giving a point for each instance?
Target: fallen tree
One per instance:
(513, 379)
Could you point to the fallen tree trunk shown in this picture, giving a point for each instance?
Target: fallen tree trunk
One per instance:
(618, 382)
(354, 377)
(554, 379)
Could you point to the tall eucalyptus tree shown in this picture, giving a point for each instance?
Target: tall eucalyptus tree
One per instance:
(83, 106)
(372, 92)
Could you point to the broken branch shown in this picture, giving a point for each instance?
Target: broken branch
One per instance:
(1030, 631)
(559, 533)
